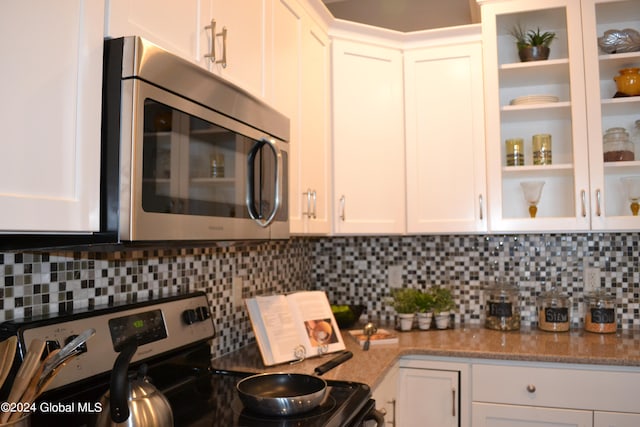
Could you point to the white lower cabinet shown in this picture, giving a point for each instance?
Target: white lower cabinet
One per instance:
(445, 392)
(494, 415)
(537, 395)
(615, 419)
(432, 393)
(385, 395)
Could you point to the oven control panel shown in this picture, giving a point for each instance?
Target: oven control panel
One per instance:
(145, 327)
(159, 326)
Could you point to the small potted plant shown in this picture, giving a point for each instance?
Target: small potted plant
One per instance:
(442, 305)
(404, 301)
(425, 302)
(532, 44)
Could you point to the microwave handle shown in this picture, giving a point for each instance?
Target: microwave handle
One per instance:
(253, 211)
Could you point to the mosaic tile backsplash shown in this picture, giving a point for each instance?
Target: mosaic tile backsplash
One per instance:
(349, 269)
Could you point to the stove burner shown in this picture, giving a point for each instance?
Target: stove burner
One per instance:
(248, 418)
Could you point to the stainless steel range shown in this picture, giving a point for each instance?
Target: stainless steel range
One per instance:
(174, 342)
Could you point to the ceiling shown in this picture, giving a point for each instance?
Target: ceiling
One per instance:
(406, 15)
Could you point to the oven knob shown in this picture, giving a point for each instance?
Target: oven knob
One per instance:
(189, 316)
(203, 313)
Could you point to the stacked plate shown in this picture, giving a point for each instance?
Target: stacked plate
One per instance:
(534, 99)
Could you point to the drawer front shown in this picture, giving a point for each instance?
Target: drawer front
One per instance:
(556, 387)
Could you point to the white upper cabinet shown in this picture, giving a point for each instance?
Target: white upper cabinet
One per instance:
(315, 137)
(177, 26)
(610, 207)
(368, 139)
(564, 202)
(50, 115)
(240, 39)
(445, 150)
(581, 191)
(301, 91)
(300, 75)
(225, 37)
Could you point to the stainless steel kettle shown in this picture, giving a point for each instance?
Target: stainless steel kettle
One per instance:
(135, 403)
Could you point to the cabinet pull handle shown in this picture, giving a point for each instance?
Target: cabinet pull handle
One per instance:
(315, 204)
(481, 206)
(598, 195)
(223, 61)
(393, 416)
(343, 202)
(308, 194)
(531, 388)
(453, 402)
(212, 53)
(583, 201)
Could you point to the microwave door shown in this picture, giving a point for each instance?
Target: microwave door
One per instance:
(264, 183)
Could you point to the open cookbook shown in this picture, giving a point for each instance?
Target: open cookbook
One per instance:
(293, 327)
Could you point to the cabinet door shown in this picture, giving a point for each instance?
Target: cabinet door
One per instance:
(512, 113)
(315, 139)
(368, 139)
(385, 395)
(613, 419)
(50, 115)
(177, 26)
(301, 91)
(610, 207)
(428, 398)
(494, 415)
(445, 152)
(244, 44)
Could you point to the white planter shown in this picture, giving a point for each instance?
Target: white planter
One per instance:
(406, 321)
(424, 321)
(442, 320)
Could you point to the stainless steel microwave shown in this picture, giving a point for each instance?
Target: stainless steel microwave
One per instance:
(193, 157)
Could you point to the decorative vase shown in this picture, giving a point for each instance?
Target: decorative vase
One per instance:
(424, 321)
(533, 53)
(442, 320)
(406, 321)
(628, 82)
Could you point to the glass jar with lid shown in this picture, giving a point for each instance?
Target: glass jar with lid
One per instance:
(617, 146)
(634, 135)
(554, 311)
(502, 307)
(600, 312)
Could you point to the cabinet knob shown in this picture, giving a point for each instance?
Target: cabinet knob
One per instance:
(531, 388)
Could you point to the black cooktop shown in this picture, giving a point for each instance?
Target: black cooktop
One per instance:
(215, 402)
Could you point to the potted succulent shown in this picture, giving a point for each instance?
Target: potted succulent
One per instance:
(404, 301)
(532, 44)
(425, 303)
(442, 305)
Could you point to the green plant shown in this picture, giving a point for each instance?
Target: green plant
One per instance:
(442, 299)
(404, 300)
(526, 38)
(425, 302)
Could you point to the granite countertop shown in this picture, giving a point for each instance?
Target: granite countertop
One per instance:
(369, 367)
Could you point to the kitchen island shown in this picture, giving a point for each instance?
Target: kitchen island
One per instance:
(469, 342)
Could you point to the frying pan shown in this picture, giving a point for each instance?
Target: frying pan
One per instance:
(285, 394)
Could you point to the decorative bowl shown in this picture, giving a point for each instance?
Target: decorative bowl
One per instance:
(347, 315)
(620, 41)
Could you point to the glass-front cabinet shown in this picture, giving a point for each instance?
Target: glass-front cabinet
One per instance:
(611, 45)
(546, 117)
